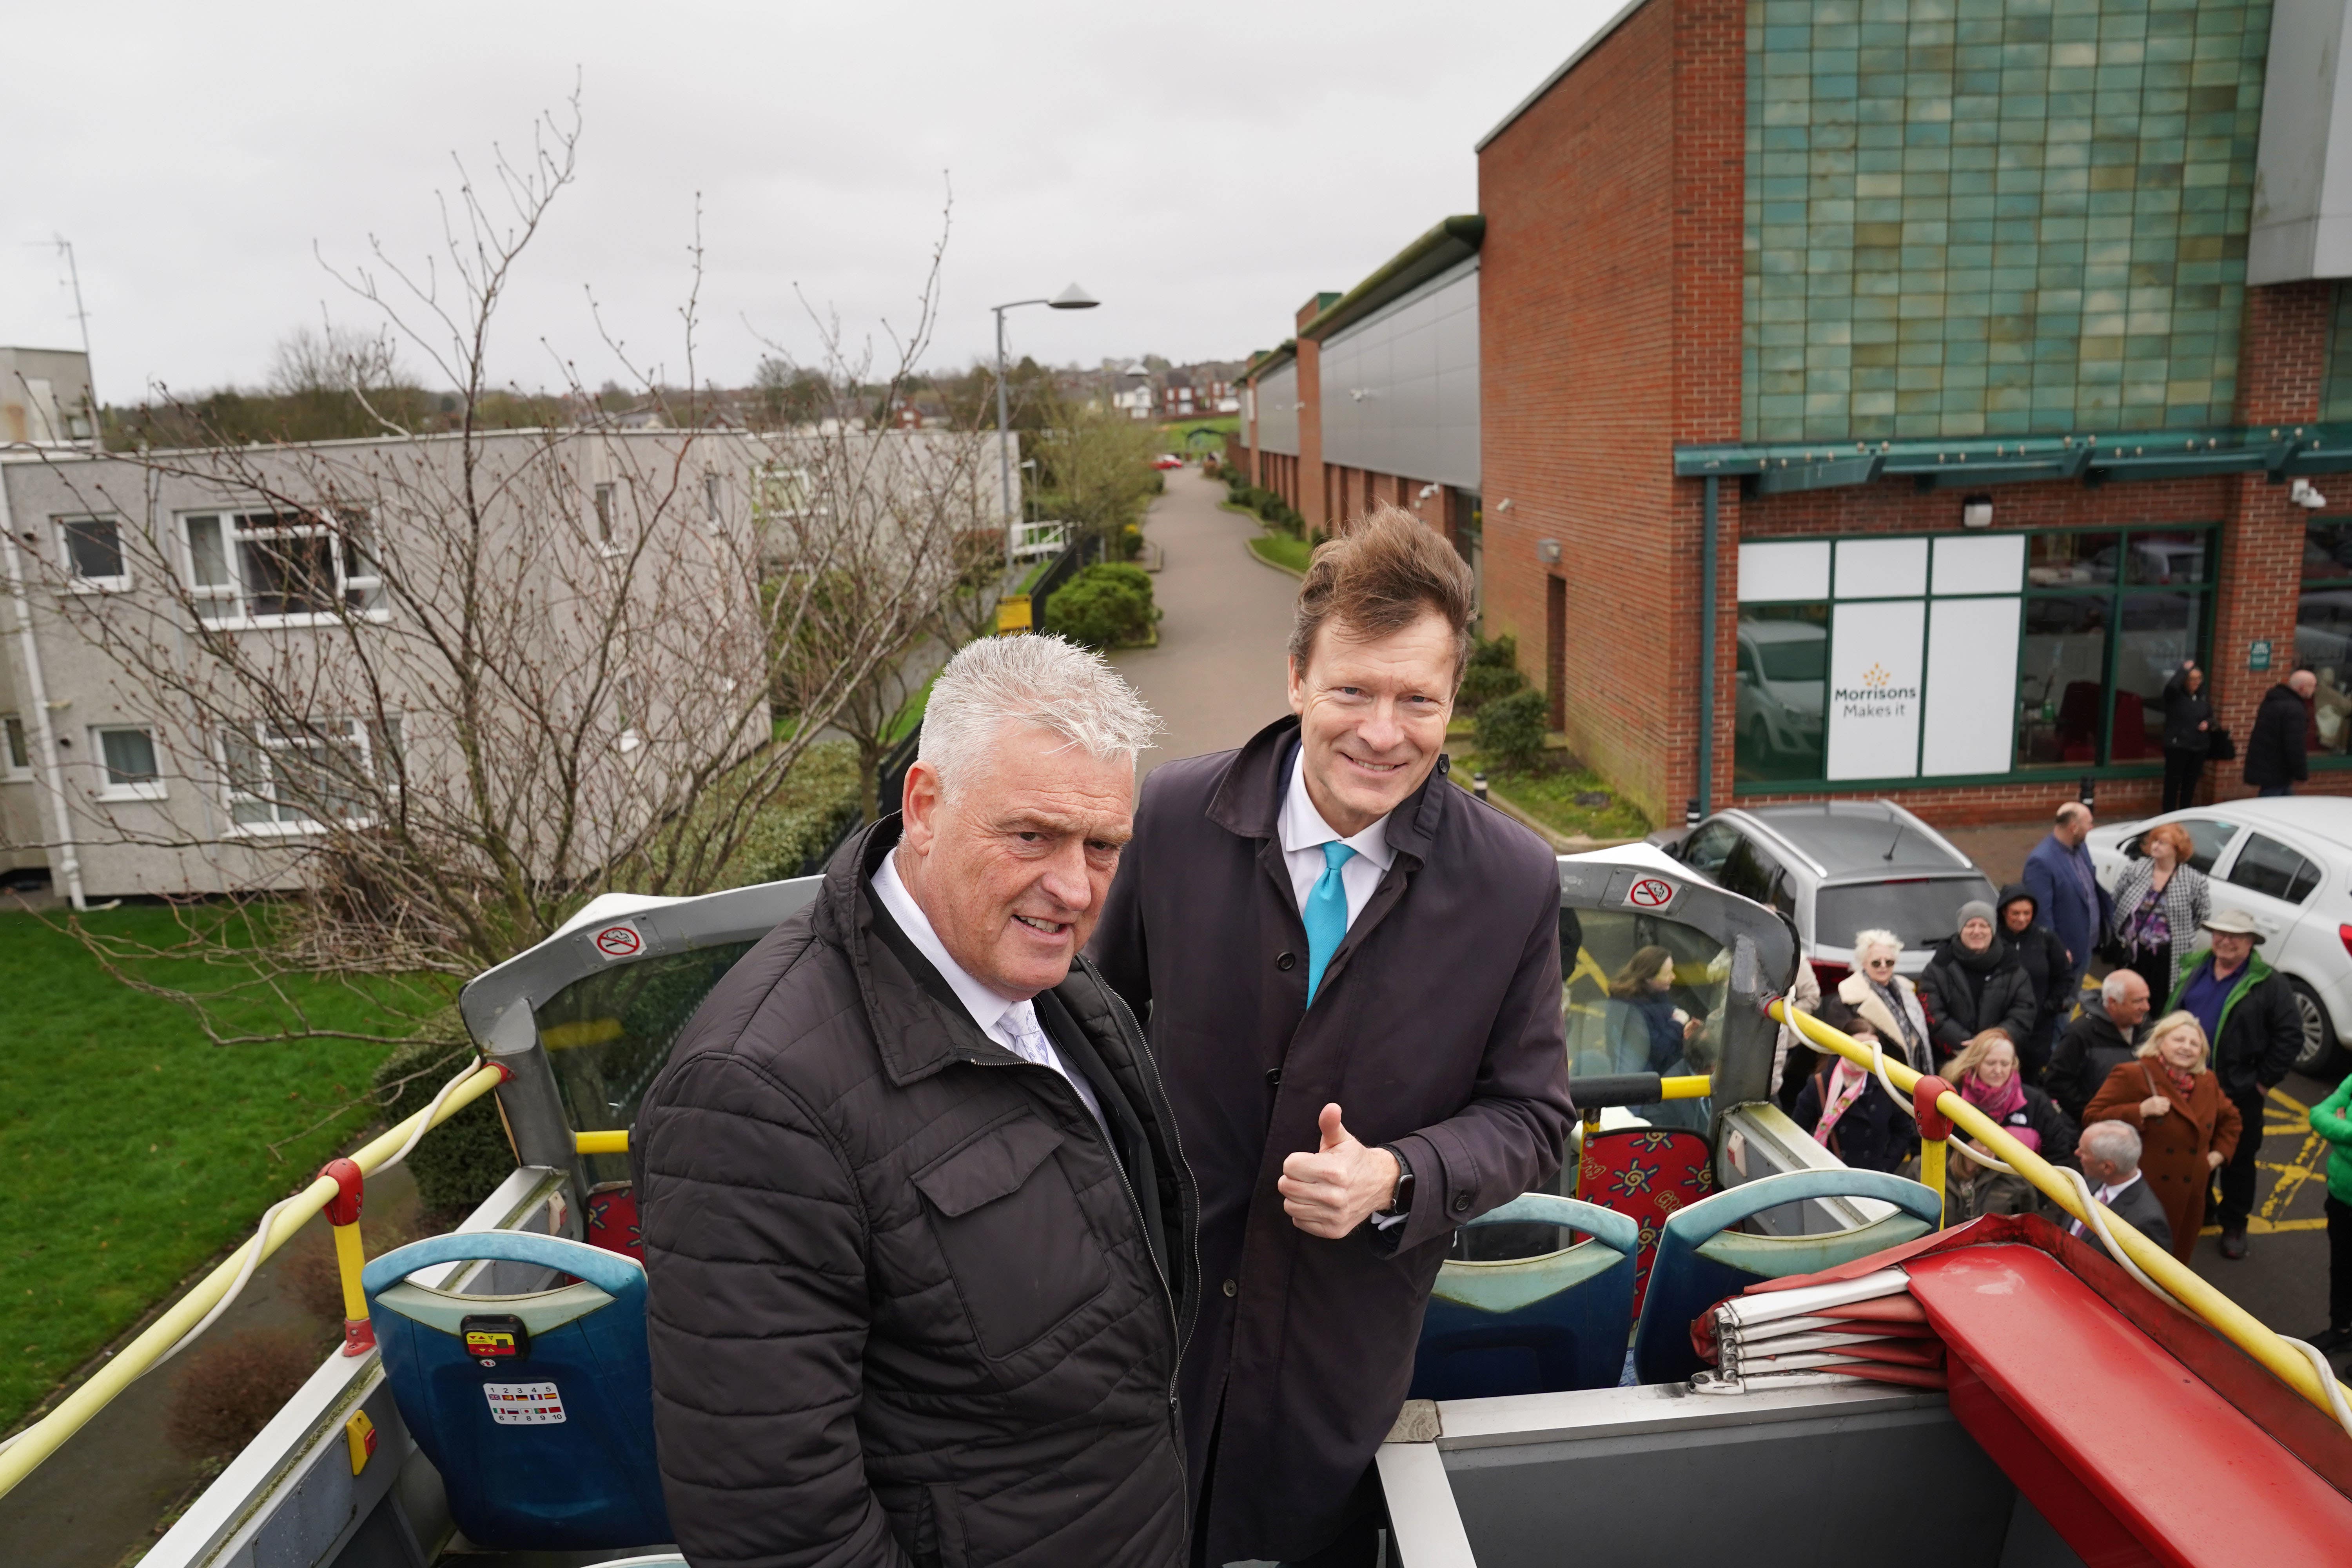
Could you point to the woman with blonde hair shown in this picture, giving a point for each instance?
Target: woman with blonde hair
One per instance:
(2159, 903)
(2188, 1127)
(1986, 1074)
(1889, 1001)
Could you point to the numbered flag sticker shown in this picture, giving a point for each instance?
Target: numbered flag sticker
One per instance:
(524, 1403)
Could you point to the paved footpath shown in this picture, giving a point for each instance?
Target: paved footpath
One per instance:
(1216, 677)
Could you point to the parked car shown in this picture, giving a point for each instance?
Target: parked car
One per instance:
(2287, 863)
(1168, 460)
(1835, 867)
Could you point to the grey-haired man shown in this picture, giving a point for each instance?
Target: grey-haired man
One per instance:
(918, 1227)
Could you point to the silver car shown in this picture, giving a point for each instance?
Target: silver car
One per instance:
(1835, 867)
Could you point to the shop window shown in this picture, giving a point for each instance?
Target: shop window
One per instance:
(1781, 681)
(2323, 630)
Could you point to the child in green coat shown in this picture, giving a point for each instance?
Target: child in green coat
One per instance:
(2332, 1120)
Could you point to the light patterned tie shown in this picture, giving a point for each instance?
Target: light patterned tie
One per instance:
(1030, 1041)
(1326, 915)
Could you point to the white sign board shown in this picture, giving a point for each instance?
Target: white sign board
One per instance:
(1972, 685)
(1876, 674)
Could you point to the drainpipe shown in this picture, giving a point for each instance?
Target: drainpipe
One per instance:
(44, 746)
(1707, 549)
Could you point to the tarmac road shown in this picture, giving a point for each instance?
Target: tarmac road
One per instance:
(1217, 677)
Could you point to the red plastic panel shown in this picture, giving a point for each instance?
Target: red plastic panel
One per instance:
(2194, 1481)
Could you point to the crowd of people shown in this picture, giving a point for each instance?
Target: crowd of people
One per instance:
(2163, 1118)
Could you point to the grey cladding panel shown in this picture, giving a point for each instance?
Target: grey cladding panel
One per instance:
(1278, 412)
(1400, 387)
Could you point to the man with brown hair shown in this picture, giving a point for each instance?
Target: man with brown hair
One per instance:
(1350, 971)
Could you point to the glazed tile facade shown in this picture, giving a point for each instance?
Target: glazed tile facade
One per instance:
(1979, 217)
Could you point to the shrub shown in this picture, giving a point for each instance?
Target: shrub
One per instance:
(232, 1388)
(1103, 607)
(459, 1163)
(1511, 729)
(1493, 672)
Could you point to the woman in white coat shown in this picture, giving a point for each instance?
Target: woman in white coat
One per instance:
(1889, 1001)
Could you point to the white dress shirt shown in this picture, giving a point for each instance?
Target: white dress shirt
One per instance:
(2106, 1198)
(1012, 1025)
(1304, 833)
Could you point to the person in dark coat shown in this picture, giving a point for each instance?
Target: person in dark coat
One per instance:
(2109, 1153)
(2187, 735)
(2106, 1034)
(1352, 971)
(2043, 958)
(2276, 761)
(918, 1224)
(2060, 875)
(1847, 1110)
(2248, 1012)
(1975, 983)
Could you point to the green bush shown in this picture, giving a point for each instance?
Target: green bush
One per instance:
(459, 1163)
(1511, 729)
(1493, 672)
(1103, 607)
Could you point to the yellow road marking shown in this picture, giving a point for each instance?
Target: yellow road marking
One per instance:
(2290, 1101)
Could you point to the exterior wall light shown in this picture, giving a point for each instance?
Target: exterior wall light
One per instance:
(1977, 513)
(1547, 552)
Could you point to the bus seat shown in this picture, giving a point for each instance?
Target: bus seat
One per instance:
(536, 1408)
(1645, 1174)
(1701, 1260)
(1532, 1325)
(611, 1221)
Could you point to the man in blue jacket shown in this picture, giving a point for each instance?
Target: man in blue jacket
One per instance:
(2059, 876)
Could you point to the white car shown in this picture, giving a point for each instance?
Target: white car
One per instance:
(2288, 863)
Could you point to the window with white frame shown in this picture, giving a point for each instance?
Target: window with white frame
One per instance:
(16, 749)
(284, 779)
(782, 491)
(711, 511)
(604, 505)
(92, 550)
(126, 760)
(255, 566)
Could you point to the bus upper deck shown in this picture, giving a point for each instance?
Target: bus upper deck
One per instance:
(493, 1399)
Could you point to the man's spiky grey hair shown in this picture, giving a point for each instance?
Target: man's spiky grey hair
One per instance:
(1030, 680)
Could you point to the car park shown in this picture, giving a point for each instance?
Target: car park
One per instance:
(1835, 867)
(2288, 864)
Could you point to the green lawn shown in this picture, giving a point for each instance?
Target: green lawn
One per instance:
(1549, 796)
(1174, 437)
(1281, 549)
(133, 1149)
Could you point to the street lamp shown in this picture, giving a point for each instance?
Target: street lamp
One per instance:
(1070, 299)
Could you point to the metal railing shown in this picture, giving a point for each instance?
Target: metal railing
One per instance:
(168, 1333)
(2285, 1359)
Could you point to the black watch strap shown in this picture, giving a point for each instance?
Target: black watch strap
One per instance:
(1403, 1202)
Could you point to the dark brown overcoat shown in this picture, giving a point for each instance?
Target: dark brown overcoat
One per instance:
(2172, 1146)
(1437, 1029)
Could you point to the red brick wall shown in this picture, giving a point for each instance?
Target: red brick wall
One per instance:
(1609, 329)
(1314, 504)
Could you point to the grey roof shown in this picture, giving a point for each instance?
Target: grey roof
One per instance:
(1846, 837)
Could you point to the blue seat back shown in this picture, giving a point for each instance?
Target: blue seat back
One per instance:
(544, 1437)
(1701, 1260)
(1532, 1325)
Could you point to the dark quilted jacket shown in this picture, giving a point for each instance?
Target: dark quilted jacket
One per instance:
(905, 1305)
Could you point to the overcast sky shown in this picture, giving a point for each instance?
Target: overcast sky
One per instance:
(1201, 170)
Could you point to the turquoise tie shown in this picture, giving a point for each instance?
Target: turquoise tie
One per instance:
(1326, 914)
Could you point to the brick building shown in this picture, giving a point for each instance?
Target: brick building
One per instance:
(1884, 397)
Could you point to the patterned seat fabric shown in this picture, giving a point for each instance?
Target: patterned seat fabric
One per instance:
(1645, 1174)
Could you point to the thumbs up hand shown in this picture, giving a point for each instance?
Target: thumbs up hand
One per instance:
(1332, 1191)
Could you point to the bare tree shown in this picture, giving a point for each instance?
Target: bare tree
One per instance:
(443, 686)
(333, 358)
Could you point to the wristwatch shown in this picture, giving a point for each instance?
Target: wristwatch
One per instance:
(1401, 1203)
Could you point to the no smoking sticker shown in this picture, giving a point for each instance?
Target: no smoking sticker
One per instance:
(1651, 893)
(619, 941)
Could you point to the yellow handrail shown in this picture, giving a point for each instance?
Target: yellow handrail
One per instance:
(614, 1142)
(2233, 1322)
(1685, 1088)
(41, 1439)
